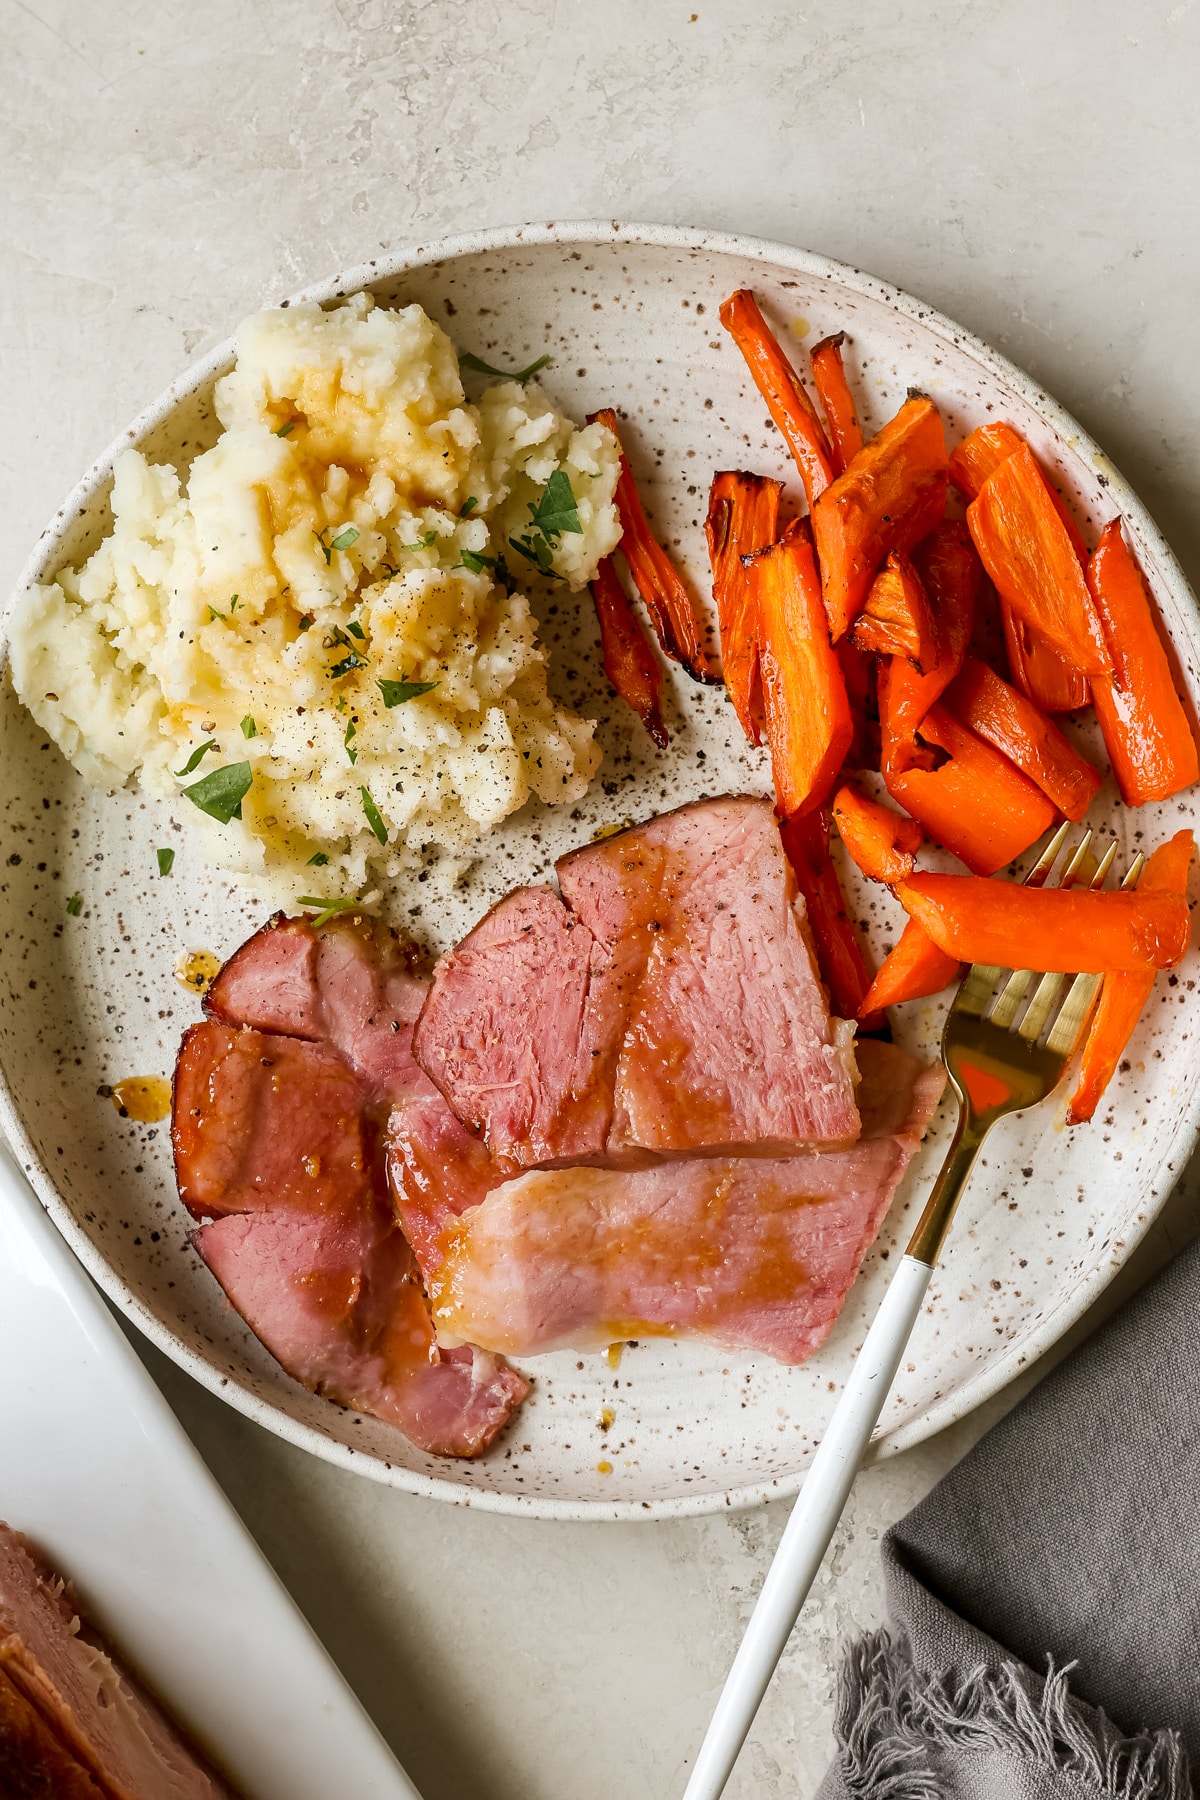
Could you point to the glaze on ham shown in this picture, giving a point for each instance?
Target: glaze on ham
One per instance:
(666, 1005)
(74, 1725)
(278, 1143)
(755, 1253)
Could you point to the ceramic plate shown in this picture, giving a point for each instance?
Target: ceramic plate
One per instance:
(97, 1470)
(629, 317)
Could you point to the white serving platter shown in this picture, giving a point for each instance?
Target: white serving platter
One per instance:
(629, 316)
(96, 1469)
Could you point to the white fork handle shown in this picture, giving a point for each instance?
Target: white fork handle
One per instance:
(806, 1538)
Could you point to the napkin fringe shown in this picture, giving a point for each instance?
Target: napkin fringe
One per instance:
(891, 1721)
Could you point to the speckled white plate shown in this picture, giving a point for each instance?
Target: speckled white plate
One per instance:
(629, 316)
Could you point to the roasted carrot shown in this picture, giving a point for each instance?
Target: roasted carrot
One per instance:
(807, 713)
(1125, 992)
(628, 659)
(978, 697)
(782, 389)
(974, 802)
(1068, 930)
(889, 496)
(1037, 668)
(743, 514)
(655, 576)
(897, 619)
(1146, 731)
(981, 454)
(952, 573)
(840, 959)
(915, 969)
(1027, 551)
(833, 390)
(883, 843)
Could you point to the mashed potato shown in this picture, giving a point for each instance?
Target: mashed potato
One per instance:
(343, 544)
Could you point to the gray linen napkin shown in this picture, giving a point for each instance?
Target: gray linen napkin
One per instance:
(1044, 1599)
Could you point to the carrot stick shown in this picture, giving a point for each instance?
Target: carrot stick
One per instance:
(840, 959)
(829, 379)
(897, 618)
(981, 454)
(915, 969)
(1027, 551)
(883, 843)
(1124, 993)
(780, 386)
(743, 514)
(808, 720)
(887, 498)
(1064, 930)
(1037, 668)
(1146, 730)
(974, 803)
(628, 659)
(977, 697)
(655, 576)
(952, 573)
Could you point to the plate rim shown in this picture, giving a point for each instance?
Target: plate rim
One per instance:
(1017, 1356)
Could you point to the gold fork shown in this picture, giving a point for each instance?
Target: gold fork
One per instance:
(1003, 1052)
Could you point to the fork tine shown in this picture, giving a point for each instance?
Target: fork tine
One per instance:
(1073, 1013)
(981, 978)
(1039, 874)
(1049, 987)
(1010, 997)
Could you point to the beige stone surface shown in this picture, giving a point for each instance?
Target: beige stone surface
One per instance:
(165, 166)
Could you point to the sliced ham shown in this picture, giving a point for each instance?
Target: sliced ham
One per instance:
(352, 985)
(667, 1004)
(755, 1253)
(278, 1142)
(74, 1724)
(337, 1300)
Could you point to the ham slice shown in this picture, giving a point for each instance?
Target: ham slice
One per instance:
(278, 1143)
(73, 1723)
(755, 1253)
(667, 1004)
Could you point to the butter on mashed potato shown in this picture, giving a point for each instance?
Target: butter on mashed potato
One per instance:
(341, 546)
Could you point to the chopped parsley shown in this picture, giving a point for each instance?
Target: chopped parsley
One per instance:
(318, 861)
(327, 908)
(288, 425)
(395, 693)
(75, 905)
(468, 506)
(356, 630)
(351, 734)
(555, 513)
(233, 604)
(249, 728)
(304, 622)
(468, 361)
(197, 757)
(423, 542)
(166, 860)
(475, 561)
(374, 820)
(220, 794)
(346, 665)
(345, 538)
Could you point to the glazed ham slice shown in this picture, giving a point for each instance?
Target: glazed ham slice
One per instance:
(278, 1144)
(666, 1005)
(755, 1253)
(73, 1724)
